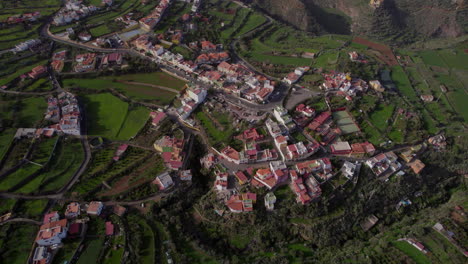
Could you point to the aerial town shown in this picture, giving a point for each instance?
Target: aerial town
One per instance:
(210, 131)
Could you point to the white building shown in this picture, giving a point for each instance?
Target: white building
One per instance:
(270, 200)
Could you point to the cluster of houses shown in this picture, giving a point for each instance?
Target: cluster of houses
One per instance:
(73, 10)
(88, 62)
(344, 84)
(150, 21)
(323, 126)
(37, 72)
(384, 164)
(26, 17)
(64, 108)
(58, 60)
(85, 62)
(55, 229)
(172, 151)
(242, 202)
(343, 148)
(211, 67)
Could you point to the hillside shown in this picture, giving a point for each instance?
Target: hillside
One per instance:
(400, 21)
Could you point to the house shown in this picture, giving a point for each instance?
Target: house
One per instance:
(57, 65)
(376, 85)
(185, 175)
(51, 217)
(350, 169)
(208, 161)
(221, 182)
(120, 150)
(119, 210)
(266, 178)
(270, 200)
(281, 115)
(41, 255)
(197, 94)
(112, 59)
(320, 120)
(427, 98)
(340, 148)
(84, 36)
(305, 110)
(52, 233)
(95, 208)
(157, 117)
(164, 181)
(279, 170)
(73, 210)
(37, 72)
(109, 228)
(233, 155)
(313, 166)
(207, 46)
(417, 166)
(74, 230)
(251, 134)
(241, 177)
(361, 149)
(242, 202)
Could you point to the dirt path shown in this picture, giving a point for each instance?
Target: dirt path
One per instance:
(150, 85)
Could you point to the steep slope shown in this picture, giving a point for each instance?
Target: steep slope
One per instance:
(404, 20)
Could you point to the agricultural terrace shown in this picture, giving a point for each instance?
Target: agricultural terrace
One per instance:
(20, 238)
(282, 48)
(41, 153)
(232, 20)
(103, 168)
(65, 161)
(13, 34)
(148, 87)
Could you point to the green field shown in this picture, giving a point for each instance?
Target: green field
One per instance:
(65, 161)
(138, 92)
(401, 80)
(156, 78)
(254, 20)
(106, 113)
(134, 122)
(18, 242)
(381, 115)
(412, 252)
(91, 253)
(6, 138)
(32, 208)
(216, 134)
(431, 57)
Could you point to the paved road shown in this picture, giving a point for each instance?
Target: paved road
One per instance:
(21, 220)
